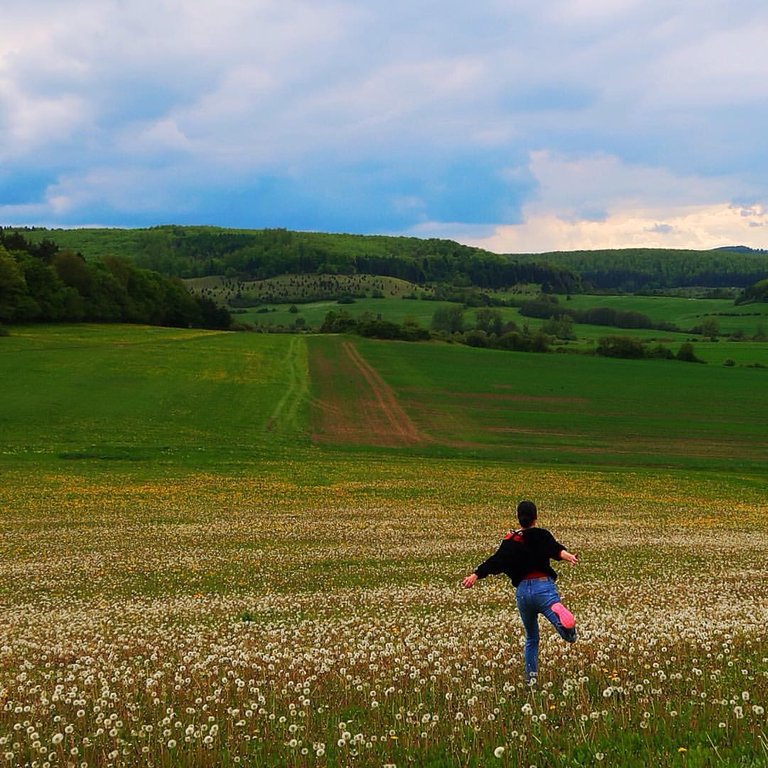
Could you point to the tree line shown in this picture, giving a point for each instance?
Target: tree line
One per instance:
(635, 270)
(39, 282)
(255, 254)
(491, 331)
(548, 307)
(757, 292)
(261, 254)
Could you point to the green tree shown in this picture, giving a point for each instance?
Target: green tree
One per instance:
(620, 346)
(489, 321)
(561, 327)
(73, 271)
(709, 327)
(449, 319)
(686, 353)
(14, 297)
(45, 287)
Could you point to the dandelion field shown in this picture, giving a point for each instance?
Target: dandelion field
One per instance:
(302, 606)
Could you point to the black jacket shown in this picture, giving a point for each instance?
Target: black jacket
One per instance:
(521, 553)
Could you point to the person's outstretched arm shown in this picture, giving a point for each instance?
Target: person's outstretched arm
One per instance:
(469, 581)
(568, 557)
(496, 563)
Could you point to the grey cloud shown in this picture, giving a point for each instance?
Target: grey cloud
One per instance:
(144, 90)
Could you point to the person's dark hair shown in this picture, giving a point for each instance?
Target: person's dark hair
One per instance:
(526, 513)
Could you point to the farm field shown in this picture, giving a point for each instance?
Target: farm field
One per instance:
(683, 312)
(202, 562)
(533, 408)
(395, 310)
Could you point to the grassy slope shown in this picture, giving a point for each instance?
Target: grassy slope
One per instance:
(117, 391)
(396, 310)
(299, 287)
(683, 312)
(148, 393)
(580, 409)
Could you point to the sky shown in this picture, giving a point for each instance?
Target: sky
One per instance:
(513, 125)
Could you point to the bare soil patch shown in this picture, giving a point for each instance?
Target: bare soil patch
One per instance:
(353, 404)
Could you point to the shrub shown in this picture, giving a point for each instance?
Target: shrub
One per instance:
(449, 319)
(620, 346)
(561, 327)
(686, 353)
(476, 338)
(661, 352)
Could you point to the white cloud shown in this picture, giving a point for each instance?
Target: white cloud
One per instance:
(629, 110)
(599, 202)
(570, 184)
(723, 68)
(697, 227)
(29, 123)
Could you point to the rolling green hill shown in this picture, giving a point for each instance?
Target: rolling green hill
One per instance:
(644, 269)
(122, 393)
(257, 254)
(206, 251)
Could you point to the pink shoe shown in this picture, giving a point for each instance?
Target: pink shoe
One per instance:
(565, 616)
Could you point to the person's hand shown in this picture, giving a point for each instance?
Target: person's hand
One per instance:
(569, 557)
(469, 581)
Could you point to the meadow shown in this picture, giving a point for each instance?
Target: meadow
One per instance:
(685, 313)
(192, 574)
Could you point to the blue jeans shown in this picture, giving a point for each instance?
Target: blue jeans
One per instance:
(535, 596)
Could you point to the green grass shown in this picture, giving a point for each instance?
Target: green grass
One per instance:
(686, 313)
(115, 392)
(395, 310)
(125, 393)
(580, 409)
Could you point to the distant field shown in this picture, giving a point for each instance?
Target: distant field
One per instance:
(683, 312)
(395, 310)
(676, 310)
(145, 393)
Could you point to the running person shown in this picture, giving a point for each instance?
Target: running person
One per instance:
(524, 556)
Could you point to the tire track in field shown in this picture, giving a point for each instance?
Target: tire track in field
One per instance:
(400, 425)
(351, 403)
(285, 415)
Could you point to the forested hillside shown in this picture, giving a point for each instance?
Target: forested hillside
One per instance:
(645, 269)
(258, 254)
(41, 282)
(194, 252)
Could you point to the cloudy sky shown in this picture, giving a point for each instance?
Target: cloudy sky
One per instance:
(510, 124)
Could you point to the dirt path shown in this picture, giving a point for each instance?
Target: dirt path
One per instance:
(355, 405)
(401, 426)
